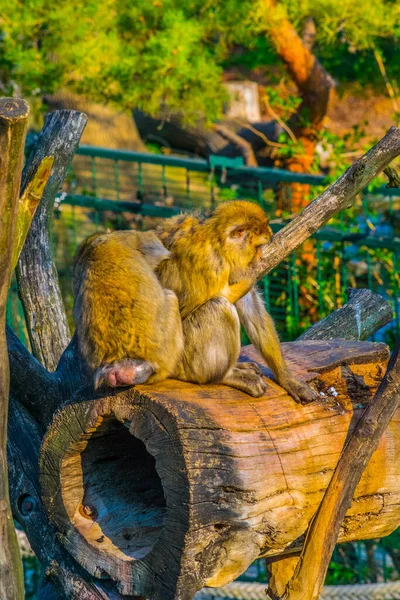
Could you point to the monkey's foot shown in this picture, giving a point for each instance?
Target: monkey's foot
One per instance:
(300, 392)
(247, 380)
(123, 373)
(250, 366)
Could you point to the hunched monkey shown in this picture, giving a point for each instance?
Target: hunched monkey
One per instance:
(212, 270)
(128, 326)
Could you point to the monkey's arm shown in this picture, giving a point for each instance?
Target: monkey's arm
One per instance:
(235, 291)
(261, 330)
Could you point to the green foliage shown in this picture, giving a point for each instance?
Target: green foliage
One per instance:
(170, 53)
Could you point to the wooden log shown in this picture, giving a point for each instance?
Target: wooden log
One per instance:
(63, 577)
(203, 141)
(170, 488)
(13, 120)
(364, 313)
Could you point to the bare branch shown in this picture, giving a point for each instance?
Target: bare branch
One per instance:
(243, 146)
(364, 313)
(337, 197)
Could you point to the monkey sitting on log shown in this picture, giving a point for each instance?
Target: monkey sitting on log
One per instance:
(129, 328)
(212, 271)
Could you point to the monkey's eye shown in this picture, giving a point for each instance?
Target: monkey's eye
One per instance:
(256, 231)
(239, 232)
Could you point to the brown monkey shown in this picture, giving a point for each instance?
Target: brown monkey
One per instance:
(212, 271)
(129, 328)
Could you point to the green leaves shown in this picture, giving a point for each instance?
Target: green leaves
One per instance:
(168, 55)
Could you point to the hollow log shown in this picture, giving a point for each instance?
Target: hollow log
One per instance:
(170, 488)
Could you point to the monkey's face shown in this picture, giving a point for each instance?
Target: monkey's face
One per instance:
(246, 240)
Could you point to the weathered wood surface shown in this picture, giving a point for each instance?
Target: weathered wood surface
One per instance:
(37, 275)
(13, 121)
(178, 486)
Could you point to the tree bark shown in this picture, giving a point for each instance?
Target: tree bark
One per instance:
(168, 446)
(36, 273)
(13, 120)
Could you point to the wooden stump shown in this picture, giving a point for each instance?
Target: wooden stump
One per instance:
(172, 487)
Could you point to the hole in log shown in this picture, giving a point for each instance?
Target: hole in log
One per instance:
(121, 499)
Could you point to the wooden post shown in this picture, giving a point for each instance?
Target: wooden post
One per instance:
(13, 119)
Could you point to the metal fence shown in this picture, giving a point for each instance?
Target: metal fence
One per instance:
(120, 189)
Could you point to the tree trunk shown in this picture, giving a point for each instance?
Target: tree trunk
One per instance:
(38, 285)
(13, 120)
(315, 86)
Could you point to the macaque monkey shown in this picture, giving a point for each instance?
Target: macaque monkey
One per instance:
(212, 270)
(129, 328)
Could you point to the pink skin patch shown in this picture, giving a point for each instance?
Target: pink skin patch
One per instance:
(120, 376)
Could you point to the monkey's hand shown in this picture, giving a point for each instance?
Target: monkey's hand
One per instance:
(300, 392)
(123, 373)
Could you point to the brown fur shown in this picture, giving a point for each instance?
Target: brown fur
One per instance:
(212, 271)
(129, 328)
(205, 253)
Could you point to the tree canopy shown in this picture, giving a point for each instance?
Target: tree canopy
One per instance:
(171, 53)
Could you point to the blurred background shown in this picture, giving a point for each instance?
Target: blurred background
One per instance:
(191, 103)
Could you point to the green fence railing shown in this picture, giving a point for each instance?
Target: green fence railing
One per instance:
(111, 189)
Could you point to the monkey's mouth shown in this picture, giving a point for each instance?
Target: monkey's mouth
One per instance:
(119, 498)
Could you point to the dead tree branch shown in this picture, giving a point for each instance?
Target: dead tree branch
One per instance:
(37, 275)
(337, 197)
(364, 313)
